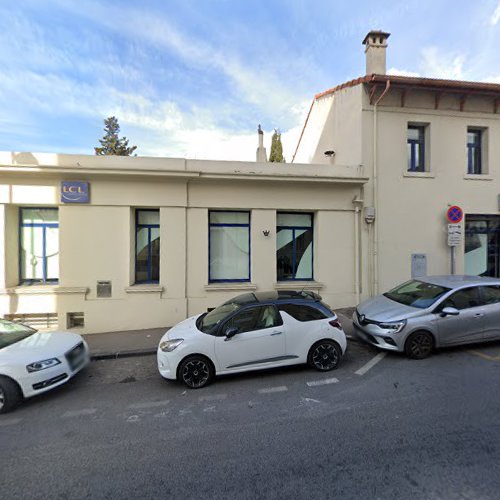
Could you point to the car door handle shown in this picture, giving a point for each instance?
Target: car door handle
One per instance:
(478, 315)
(276, 333)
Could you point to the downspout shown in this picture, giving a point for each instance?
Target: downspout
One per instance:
(356, 253)
(186, 244)
(375, 189)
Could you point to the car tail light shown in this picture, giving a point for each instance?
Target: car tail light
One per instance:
(335, 323)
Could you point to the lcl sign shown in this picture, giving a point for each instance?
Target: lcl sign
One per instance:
(75, 192)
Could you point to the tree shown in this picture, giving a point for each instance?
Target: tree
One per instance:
(111, 144)
(276, 154)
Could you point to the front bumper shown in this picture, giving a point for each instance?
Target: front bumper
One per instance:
(45, 380)
(378, 337)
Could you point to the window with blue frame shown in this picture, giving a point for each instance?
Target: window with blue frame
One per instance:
(294, 246)
(39, 245)
(147, 246)
(416, 148)
(229, 246)
(474, 140)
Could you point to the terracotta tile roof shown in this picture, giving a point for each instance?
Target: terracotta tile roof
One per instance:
(436, 84)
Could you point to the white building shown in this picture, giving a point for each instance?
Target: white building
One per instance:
(118, 243)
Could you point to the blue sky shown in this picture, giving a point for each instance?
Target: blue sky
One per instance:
(194, 78)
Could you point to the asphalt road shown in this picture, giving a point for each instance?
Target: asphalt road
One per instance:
(378, 427)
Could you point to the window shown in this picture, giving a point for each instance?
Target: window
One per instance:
(39, 245)
(301, 312)
(416, 148)
(463, 299)
(254, 318)
(147, 246)
(474, 160)
(294, 246)
(491, 294)
(229, 246)
(482, 245)
(416, 293)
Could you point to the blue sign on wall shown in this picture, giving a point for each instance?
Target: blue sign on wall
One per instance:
(75, 192)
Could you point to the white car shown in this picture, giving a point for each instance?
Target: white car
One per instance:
(251, 332)
(34, 362)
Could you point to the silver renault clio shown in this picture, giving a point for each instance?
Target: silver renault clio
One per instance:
(429, 312)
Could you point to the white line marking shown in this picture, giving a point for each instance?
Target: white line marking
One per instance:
(379, 357)
(150, 404)
(79, 413)
(270, 390)
(326, 381)
(10, 421)
(215, 397)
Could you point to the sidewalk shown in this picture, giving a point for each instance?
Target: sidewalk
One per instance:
(113, 345)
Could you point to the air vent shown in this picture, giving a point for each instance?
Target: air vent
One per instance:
(104, 289)
(75, 320)
(40, 321)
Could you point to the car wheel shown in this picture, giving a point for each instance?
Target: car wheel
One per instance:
(419, 345)
(196, 372)
(324, 355)
(10, 395)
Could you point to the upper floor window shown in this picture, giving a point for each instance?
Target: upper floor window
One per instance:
(39, 245)
(294, 246)
(147, 246)
(474, 153)
(229, 246)
(416, 148)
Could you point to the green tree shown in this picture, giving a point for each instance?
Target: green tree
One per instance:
(111, 144)
(276, 154)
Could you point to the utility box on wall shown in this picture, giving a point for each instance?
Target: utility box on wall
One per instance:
(418, 265)
(104, 289)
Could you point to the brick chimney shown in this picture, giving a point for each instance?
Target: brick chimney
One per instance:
(375, 43)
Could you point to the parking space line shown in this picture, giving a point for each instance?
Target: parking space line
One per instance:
(79, 413)
(325, 381)
(368, 366)
(270, 390)
(214, 397)
(485, 356)
(10, 421)
(150, 404)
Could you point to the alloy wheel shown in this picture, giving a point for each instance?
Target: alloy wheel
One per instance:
(195, 373)
(325, 357)
(2, 398)
(420, 345)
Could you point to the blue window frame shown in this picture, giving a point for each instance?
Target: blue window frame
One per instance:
(416, 148)
(147, 246)
(228, 246)
(474, 140)
(38, 245)
(294, 246)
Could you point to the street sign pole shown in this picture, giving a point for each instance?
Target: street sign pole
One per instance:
(452, 257)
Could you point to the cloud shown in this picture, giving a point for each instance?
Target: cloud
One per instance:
(438, 64)
(495, 17)
(402, 72)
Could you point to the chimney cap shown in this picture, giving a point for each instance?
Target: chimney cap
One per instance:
(381, 33)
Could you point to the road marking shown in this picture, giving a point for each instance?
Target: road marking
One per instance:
(485, 356)
(214, 397)
(309, 400)
(79, 413)
(326, 381)
(209, 409)
(270, 390)
(150, 404)
(10, 421)
(379, 357)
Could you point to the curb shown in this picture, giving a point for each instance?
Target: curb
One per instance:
(123, 354)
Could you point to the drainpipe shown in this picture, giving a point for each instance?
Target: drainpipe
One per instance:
(357, 202)
(375, 189)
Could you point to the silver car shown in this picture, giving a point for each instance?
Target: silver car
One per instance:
(429, 312)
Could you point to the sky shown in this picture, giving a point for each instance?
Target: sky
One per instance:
(194, 78)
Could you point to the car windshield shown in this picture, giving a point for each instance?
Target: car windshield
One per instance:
(208, 322)
(10, 332)
(416, 293)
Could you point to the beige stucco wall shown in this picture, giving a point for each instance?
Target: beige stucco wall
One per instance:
(96, 240)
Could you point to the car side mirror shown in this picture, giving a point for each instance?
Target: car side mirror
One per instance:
(231, 332)
(449, 311)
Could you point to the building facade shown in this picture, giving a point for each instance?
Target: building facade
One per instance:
(115, 243)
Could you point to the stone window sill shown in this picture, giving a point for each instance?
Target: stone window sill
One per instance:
(146, 288)
(217, 287)
(478, 177)
(422, 175)
(45, 290)
(298, 285)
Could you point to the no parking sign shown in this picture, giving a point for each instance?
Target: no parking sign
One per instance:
(455, 214)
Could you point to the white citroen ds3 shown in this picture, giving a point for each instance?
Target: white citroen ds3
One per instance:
(34, 362)
(251, 332)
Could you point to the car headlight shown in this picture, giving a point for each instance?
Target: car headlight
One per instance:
(42, 365)
(170, 345)
(396, 326)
